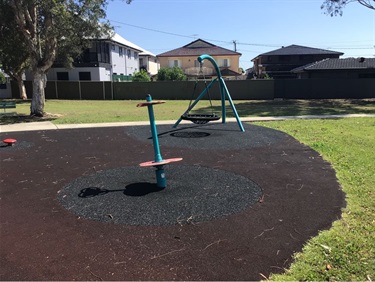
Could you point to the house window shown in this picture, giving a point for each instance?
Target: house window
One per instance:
(84, 75)
(129, 54)
(120, 51)
(113, 47)
(224, 63)
(174, 63)
(62, 75)
(135, 55)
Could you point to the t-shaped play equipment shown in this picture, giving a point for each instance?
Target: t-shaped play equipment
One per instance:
(159, 162)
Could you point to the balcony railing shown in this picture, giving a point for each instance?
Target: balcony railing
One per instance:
(197, 71)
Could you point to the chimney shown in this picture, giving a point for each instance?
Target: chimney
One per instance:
(361, 59)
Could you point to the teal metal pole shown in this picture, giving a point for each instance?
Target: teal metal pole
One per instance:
(154, 132)
(223, 109)
(160, 174)
(201, 58)
(239, 122)
(222, 93)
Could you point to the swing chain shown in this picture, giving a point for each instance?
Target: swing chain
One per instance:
(200, 70)
(207, 89)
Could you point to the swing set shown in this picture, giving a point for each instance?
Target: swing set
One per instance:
(205, 118)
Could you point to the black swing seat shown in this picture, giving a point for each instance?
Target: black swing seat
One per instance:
(200, 118)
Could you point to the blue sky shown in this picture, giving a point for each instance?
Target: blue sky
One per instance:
(257, 26)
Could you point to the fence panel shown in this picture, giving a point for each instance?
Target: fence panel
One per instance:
(92, 90)
(184, 90)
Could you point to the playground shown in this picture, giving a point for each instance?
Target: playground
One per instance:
(77, 206)
(200, 201)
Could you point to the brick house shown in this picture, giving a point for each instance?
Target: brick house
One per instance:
(186, 56)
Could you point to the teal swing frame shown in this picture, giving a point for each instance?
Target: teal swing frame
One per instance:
(224, 93)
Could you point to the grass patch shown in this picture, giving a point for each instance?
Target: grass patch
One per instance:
(85, 111)
(346, 252)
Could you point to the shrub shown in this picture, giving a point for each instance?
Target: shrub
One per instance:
(142, 75)
(174, 73)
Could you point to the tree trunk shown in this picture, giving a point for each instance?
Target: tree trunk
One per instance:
(38, 101)
(21, 88)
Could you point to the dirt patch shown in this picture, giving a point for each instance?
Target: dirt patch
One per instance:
(11, 118)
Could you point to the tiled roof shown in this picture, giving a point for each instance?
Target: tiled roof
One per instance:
(197, 48)
(339, 64)
(229, 72)
(299, 50)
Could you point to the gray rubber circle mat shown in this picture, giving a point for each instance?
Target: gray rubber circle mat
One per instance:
(129, 195)
(210, 136)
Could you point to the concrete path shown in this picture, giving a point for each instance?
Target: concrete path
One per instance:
(47, 125)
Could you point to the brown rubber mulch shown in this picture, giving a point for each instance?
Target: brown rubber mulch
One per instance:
(74, 205)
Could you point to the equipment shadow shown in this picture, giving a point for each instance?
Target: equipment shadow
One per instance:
(138, 189)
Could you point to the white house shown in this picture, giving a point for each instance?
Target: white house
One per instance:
(149, 62)
(106, 60)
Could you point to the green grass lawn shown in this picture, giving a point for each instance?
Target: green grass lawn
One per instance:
(78, 111)
(347, 250)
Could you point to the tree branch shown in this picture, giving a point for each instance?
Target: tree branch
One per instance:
(367, 4)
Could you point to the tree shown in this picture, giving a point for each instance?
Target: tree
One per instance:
(14, 61)
(2, 78)
(174, 73)
(142, 75)
(335, 7)
(51, 28)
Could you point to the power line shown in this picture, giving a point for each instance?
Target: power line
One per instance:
(193, 37)
(150, 29)
(235, 42)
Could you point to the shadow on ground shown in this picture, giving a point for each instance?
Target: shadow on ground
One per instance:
(13, 118)
(297, 107)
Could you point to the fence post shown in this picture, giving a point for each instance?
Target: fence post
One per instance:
(57, 92)
(103, 90)
(112, 89)
(79, 89)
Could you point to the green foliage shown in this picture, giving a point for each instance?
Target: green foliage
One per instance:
(335, 7)
(13, 51)
(2, 78)
(163, 74)
(177, 74)
(64, 28)
(173, 74)
(142, 75)
(266, 76)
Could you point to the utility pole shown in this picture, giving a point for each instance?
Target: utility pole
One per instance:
(235, 45)
(235, 48)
